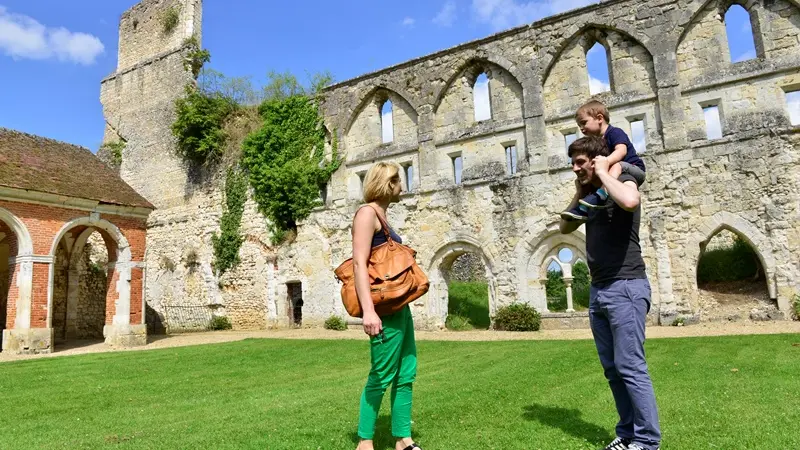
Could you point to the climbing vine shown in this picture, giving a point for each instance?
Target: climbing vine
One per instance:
(286, 160)
(229, 241)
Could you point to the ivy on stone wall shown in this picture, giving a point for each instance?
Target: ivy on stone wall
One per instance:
(199, 121)
(286, 160)
(229, 241)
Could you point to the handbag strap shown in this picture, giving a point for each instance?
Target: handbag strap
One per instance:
(384, 225)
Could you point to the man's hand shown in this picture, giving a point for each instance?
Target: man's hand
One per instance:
(600, 165)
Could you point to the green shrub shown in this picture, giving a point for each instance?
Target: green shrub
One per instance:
(286, 161)
(738, 262)
(170, 19)
(796, 306)
(517, 317)
(221, 323)
(198, 126)
(335, 323)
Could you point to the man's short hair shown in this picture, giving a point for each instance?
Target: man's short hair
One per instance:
(593, 108)
(590, 146)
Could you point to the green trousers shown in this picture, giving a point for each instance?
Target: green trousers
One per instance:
(394, 362)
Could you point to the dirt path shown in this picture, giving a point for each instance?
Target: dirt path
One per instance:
(180, 340)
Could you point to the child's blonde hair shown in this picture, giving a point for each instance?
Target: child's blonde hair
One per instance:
(378, 183)
(593, 108)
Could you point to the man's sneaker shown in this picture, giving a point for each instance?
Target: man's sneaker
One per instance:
(636, 446)
(594, 201)
(620, 444)
(575, 214)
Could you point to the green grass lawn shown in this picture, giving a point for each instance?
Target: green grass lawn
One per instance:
(284, 394)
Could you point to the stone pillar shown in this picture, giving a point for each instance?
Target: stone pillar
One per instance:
(568, 284)
(120, 332)
(31, 333)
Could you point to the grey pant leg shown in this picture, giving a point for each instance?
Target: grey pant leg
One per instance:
(604, 341)
(634, 171)
(627, 304)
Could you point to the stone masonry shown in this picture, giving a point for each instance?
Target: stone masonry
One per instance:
(668, 60)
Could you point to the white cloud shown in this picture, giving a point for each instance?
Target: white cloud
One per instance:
(502, 14)
(408, 22)
(638, 136)
(447, 15)
(793, 100)
(23, 37)
(597, 86)
(480, 97)
(713, 125)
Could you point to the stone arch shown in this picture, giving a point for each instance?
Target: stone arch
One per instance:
(566, 80)
(547, 62)
(21, 275)
(118, 300)
(363, 133)
(368, 95)
(531, 255)
(727, 221)
(480, 58)
(760, 13)
(446, 253)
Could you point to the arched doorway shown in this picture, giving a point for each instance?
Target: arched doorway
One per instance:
(731, 281)
(468, 307)
(90, 283)
(80, 286)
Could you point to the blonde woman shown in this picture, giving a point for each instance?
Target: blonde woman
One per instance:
(393, 350)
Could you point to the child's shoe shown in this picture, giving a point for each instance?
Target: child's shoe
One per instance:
(575, 213)
(595, 200)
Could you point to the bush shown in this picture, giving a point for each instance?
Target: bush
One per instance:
(221, 323)
(738, 262)
(169, 20)
(198, 126)
(517, 317)
(335, 323)
(557, 291)
(796, 306)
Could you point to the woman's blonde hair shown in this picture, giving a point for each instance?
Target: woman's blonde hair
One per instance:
(378, 183)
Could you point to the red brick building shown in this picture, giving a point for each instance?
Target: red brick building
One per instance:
(53, 196)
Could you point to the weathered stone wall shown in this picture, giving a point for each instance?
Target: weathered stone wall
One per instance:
(667, 61)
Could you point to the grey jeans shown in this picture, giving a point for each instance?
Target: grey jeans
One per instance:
(634, 171)
(617, 311)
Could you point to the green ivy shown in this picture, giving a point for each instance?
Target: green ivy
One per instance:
(286, 161)
(199, 124)
(229, 241)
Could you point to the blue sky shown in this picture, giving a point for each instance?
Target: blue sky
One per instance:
(54, 53)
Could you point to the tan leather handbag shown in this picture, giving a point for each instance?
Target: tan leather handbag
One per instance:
(395, 278)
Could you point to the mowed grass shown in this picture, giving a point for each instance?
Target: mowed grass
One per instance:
(714, 393)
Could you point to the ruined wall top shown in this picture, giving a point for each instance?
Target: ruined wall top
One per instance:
(143, 34)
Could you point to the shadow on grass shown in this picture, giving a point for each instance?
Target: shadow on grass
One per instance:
(568, 421)
(383, 435)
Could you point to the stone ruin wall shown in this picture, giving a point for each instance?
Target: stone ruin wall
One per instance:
(668, 59)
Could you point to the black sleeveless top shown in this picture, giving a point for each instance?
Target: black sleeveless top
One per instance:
(380, 237)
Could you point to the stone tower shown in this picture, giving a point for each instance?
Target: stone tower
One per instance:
(138, 99)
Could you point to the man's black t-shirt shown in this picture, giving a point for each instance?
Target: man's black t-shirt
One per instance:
(612, 242)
